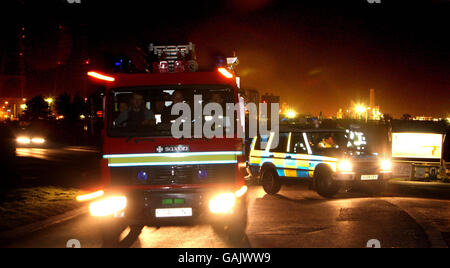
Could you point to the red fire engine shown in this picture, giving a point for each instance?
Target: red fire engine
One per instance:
(150, 178)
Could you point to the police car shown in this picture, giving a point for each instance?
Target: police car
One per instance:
(329, 158)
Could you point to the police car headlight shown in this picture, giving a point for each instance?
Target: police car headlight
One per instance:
(344, 166)
(108, 206)
(386, 165)
(38, 140)
(222, 203)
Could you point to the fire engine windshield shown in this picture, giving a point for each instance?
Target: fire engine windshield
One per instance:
(146, 111)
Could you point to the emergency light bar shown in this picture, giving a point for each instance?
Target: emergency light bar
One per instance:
(174, 58)
(225, 72)
(101, 76)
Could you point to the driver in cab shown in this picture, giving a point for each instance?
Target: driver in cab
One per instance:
(328, 142)
(137, 114)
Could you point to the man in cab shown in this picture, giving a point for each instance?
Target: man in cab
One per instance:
(328, 142)
(137, 114)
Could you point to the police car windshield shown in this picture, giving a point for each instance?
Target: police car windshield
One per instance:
(334, 143)
(146, 111)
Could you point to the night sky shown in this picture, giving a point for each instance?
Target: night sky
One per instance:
(318, 55)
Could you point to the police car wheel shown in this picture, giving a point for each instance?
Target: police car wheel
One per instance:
(111, 232)
(325, 185)
(270, 182)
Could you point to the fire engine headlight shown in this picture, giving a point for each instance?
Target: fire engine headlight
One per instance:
(386, 165)
(23, 140)
(344, 166)
(222, 204)
(38, 140)
(108, 206)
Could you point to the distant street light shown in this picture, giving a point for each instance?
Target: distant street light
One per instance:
(291, 114)
(360, 109)
(49, 101)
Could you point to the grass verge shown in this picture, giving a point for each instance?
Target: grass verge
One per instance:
(23, 206)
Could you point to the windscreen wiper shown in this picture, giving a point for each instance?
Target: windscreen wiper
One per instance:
(143, 139)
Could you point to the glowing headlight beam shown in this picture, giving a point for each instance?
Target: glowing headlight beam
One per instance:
(345, 166)
(241, 191)
(222, 204)
(23, 140)
(38, 140)
(90, 196)
(386, 165)
(108, 206)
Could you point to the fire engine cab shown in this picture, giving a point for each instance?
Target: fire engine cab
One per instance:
(151, 178)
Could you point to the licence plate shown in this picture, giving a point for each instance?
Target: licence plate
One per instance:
(173, 212)
(369, 177)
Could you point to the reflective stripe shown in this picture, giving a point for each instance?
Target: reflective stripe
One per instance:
(171, 163)
(172, 154)
(308, 147)
(290, 173)
(197, 158)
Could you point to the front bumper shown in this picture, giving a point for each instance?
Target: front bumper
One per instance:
(357, 176)
(142, 206)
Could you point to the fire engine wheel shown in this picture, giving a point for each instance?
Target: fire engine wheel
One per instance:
(270, 181)
(112, 230)
(235, 230)
(324, 183)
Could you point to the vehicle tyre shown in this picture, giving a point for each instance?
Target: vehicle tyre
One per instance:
(111, 231)
(270, 181)
(324, 183)
(235, 230)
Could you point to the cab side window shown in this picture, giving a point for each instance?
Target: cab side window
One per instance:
(298, 145)
(282, 143)
(261, 142)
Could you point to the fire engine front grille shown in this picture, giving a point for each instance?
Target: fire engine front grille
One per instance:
(167, 175)
(366, 167)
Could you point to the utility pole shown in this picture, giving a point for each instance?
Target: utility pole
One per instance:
(84, 57)
(2, 69)
(3, 62)
(22, 37)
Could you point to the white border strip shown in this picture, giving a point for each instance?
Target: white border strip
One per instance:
(172, 163)
(171, 154)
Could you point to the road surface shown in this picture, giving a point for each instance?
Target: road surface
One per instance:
(297, 217)
(58, 166)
